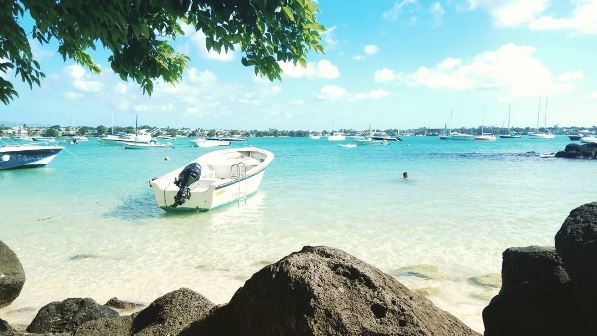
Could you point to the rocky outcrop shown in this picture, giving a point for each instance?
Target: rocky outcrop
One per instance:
(5, 328)
(576, 151)
(549, 291)
(169, 314)
(325, 291)
(12, 275)
(68, 315)
(113, 326)
(116, 303)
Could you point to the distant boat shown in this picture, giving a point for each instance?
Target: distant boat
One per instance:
(539, 134)
(234, 138)
(44, 139)
(589, 139)
(510, 134)
(213, 180)
(575, 137)
(143, 145)
(370, 141)
(29, 156)
(21, 138)
(78, 138)
(315, 136)
(347, 145)
(461, 136)
(206, 143)
(166, 137)
(384, 137)
(336, 136)
(485, 137)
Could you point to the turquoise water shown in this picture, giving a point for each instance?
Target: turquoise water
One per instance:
(87, 225)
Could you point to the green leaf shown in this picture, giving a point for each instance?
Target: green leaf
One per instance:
(288, 11)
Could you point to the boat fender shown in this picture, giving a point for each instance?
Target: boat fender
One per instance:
(189, 175)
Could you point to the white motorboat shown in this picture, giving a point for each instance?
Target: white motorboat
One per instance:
(27, 156)
(370, 141)
(118, 140)
(384, 137)
(44, 139)
(541, 135)
(485, 137)
(336, 136)
(79, 138)
(212, 180)
(588, 139)
(143, 145)
(206, 143)
(461, 136)
(314, 136)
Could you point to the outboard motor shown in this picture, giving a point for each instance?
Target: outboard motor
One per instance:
(189, 175)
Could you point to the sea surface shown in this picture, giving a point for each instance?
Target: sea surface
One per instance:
(87, 224)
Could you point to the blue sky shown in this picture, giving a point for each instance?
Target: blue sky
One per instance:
(391, 64)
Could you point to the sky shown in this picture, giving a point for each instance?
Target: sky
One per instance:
(387, 63)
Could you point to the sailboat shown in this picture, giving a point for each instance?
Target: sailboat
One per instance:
(539, 134)
(335, 136)
(484, 136)
(510, 134)
(446, 135)
(449, 135)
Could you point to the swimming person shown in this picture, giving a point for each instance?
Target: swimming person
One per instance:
(405, 175)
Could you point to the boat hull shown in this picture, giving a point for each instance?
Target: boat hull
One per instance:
(23, 157)
(542, 136)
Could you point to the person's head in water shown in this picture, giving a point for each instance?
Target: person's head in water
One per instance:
(405, 175)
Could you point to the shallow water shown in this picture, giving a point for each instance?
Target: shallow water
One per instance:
(87, 225)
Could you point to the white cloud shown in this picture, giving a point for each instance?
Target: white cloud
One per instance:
(81, 81)
(582, 20)
(121, 88)
(384, 75)
(331, 92)
(75, 71)
(328, 37)
(71, 95)
(202, 77)
(571, 76)
(592, 95)
(371, 49)
(198, 39)
(510, 13)
(510, 68)
(437, 11)
(322, 69)
(393, 13)
(358, 57)
(297, 102)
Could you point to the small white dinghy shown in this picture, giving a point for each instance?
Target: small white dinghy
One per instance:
(212, 180)
(209, 143)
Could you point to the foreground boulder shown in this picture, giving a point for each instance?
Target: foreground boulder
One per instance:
(169, 314)
(12, 275)
(113, 326)
(578, 229)
(576, 151)
(5, 328)
(535, 298)
(585, 284)
(325, 291)
(540, 266)
(68, 315)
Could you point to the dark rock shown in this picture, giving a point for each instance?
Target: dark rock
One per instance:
(113, 326)
(325, 291)
(585, 284)
(578, 229)
(67, 315)
(585, 151)
(533, 264)
(12, 275)
(572, 148)
(116, 303)
(526, 309)
(171, 313)
(5, 328)
(589, 150)
(567, 155)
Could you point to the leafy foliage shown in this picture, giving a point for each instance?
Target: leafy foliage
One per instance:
(138, 34)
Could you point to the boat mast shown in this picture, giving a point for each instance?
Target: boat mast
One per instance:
(112, 122)
(545, 121)
(136, 126)
(538, 113)
(509, 117)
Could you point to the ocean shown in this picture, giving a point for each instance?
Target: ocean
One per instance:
(87, 224)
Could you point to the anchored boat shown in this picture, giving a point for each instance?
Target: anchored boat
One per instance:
(14, 157)
(212, 180)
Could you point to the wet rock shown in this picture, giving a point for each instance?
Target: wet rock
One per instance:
(325, 291)
(491, 280)
(578, 229)
(534, 264)
(67, 315)
(585, 284)
(526, 309)
(113, 326)
(423, 271)
(169, 314)
(5, 328)
(586, 151)
(12, 275)
(116, 303)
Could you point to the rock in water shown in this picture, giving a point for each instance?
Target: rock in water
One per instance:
(116, 303)
(578, 229)
(67, 315)
(5, 328)
(534, 264)
(325, 291)
(12, 275)
(171, 313)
